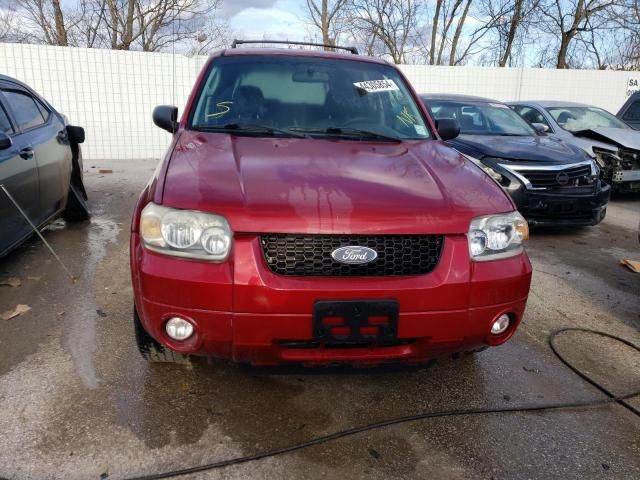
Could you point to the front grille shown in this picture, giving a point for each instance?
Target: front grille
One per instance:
(310, 255)
(549, 178)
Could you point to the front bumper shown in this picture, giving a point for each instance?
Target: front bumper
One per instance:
(574, 206)
(626, 180)
(245, 313)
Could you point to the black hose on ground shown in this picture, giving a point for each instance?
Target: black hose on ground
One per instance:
(611, 398)
(586, 378)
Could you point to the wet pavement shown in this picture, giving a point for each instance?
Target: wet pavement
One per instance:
(78, 402)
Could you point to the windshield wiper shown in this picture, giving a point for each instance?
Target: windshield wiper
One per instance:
(249, 128)
(348, 132)
(513, 135)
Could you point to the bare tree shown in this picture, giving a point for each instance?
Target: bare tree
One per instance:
(568, 20)
(148, 25)
(389, 24)
(328, 17)
(452, 40)
(46, 20)
(9, 24)
(509, 20)
(447, 11)
(458, 32)
(626, 22)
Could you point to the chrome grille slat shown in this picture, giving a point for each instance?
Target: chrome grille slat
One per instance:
(548, 178)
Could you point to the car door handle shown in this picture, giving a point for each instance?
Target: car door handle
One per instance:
(26, 153)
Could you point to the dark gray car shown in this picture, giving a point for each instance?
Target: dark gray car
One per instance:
(630, 111)
(40, 164)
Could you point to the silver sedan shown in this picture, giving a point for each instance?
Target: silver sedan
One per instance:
(612, 143)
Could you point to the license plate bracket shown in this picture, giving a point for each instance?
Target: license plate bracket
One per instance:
(354, 322)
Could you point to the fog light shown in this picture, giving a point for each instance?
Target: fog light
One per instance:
(500, 325)
(178, 328)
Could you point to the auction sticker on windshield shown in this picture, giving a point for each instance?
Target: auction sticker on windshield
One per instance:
(372, 86)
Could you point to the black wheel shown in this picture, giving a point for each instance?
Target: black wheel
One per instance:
(150, 349)
(76, 209)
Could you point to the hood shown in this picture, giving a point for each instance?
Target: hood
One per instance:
(622, 137)
(588, 144)
(290, 185)
(527, 148)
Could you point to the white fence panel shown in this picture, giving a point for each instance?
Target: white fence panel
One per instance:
(603, 88)
(112, 93)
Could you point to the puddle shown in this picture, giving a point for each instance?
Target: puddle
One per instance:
(79, 333)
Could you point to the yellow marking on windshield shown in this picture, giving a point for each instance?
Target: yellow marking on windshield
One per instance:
(406, 118)
(225, 108)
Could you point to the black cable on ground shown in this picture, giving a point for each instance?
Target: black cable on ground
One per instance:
(581, 374)
(423, 416)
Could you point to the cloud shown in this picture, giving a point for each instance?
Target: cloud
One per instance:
(280, 21)
(231, 8)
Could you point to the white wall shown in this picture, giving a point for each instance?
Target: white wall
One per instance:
(112, 93)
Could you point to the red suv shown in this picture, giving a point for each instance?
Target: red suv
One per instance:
(308, 212)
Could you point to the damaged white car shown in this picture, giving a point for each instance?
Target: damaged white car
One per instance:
(612, 143)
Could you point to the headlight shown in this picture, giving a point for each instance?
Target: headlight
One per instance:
(497, 236)
(185, 233)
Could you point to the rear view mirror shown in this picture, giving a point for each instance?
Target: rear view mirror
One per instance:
(5, 141)
(75, 134)
(310, 76)
(448, 128)
(166, 117)
(540, 127)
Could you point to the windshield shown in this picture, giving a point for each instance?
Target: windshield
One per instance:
(308, 96)
(574, 119)
(480, 118)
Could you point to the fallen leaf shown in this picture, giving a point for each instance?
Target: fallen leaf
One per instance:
(374, 453)
(58, 224)
(19, 310)
(10, 282)
(105, 170)
(633, 265)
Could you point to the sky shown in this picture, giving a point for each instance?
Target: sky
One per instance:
(274, 19)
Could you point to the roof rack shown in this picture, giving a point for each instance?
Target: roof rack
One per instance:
(353, 50)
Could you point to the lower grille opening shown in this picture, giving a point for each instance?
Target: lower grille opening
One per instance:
(310, 255)
(309, 344)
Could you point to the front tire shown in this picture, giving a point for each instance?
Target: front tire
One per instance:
(150, 349)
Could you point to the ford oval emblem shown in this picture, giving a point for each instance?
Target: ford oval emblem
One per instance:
(354, 255)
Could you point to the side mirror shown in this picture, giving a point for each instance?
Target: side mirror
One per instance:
(540, 127)
(75, 134)
(166, 117)
(448, 128)
(5, 141)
